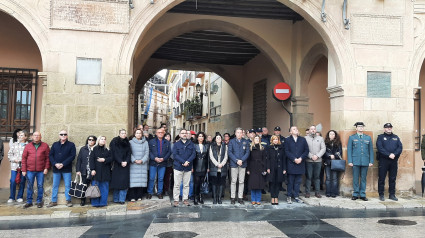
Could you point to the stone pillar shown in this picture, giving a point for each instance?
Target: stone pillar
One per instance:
(302, 118)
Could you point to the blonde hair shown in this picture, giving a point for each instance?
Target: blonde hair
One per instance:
(253, 143)
(275, 137)
(98, 139)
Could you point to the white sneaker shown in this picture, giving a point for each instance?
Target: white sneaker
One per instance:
(10, 201)
(289, 200)
(133, 200)
(139, 199)
(20, 200)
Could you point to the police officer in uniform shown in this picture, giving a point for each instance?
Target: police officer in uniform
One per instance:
(264, 139)
(389, 149)
(360, 157)
(277, 132)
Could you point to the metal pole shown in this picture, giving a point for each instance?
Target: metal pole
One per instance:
(291, 123)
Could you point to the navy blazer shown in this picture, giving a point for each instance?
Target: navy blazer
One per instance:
(183, 152)
(62, 153)
(238, 151)
(296, 150)
(153, 152)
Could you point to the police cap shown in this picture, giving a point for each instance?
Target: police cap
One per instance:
(359, 124)
(388, 125)
(259, 129)
(277, 128)
(251, 130)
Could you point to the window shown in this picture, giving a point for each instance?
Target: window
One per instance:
(17, 100)
(259, 104)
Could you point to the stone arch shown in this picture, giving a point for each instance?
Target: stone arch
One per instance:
(330, 31)
(212, 24)
(32, 23)
(309, 62)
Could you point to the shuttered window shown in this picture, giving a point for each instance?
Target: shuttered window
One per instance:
(259, 104)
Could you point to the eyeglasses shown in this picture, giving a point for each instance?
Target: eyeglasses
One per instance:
(90, 139)
(63, 134)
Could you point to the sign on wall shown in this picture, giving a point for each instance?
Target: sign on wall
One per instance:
(378, 84)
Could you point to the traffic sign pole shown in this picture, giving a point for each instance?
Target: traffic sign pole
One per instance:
(282, 92)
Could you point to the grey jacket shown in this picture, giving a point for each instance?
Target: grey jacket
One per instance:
(316, 146)
(139, 172)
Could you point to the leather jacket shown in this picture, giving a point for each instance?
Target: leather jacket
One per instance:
(200, 163)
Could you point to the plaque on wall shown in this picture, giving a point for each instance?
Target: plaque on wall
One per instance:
(376, 29)
(90, 15)
(378, 84)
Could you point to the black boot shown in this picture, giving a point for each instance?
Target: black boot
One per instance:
(195, 202)
(83, 201)
(214, 194)
(220, 193)
(201, 201)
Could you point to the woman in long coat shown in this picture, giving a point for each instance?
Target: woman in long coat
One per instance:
(257, 169)
(200, 166)
(82, 167)
(218, 168)
(100, 169)
(333, 152)
(121, 156)
(276, 166)
(138, 166)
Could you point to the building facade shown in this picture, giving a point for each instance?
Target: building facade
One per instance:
(79, 65)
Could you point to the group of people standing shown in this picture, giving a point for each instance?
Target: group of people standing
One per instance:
(130, 166)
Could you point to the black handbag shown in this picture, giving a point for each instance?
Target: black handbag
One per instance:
(338, 165)
(78, 189)
(205, 185)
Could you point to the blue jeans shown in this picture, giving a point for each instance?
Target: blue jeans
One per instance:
(359, 173)
(331, 182)
(104, 191)
(190, 187)
(294, 182)
(313, 175)
(56, 182)
(256, 195)
(31, 176)
(13, 185)
(153, 170)
(119, 195)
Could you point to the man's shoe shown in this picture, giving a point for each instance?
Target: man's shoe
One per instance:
(186, 202)
(52, 204)
(20, 200)
(381, 197)
(318, 195)
(307, 195)
(393, 197)
(354, 198)
(122, 203)
(176, 204)
(40, 204)
(298, 200)
(27, 205)
(149, 196)
(69, 204)
(160, 196)
(364, 199)
(289, 200)
(232, 201)
(240, 201)
(10, 201)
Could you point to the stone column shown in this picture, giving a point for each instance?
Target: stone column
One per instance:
(302, 118)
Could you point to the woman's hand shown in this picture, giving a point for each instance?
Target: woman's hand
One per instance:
(332, 156)
(93, 173)
(268, 171)
(78, 173)
(284, 171)
(247, 172)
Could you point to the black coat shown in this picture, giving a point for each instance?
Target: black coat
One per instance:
(257, 164)
(276, 162)
(120, 152)
(103, 169)
(334, 150)
(82, 160)
(200, 163)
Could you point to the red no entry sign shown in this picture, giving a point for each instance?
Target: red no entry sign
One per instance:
(281, 91)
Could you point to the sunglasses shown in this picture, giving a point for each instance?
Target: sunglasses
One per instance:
(63, 134)
(90, 139)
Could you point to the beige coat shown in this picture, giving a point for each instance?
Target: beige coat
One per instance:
(15, 153)
(316, 146)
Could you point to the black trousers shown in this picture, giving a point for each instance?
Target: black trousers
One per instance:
(274, 189)
(198, 179)
(217, 180)
(135, 193)
(85, 180)
(390, 167)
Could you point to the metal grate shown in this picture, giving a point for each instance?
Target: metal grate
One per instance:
(18, 89)
(259, 118)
